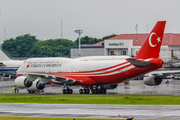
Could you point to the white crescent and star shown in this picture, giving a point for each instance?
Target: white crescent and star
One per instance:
(158, 39)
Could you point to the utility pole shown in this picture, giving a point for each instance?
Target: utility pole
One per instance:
(79, 32)
(4, 33)
(61, 38)
(61, 29)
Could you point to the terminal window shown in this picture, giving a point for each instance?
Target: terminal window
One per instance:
(124, 52)
(112, 53)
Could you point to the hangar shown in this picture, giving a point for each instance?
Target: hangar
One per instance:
(129, 44)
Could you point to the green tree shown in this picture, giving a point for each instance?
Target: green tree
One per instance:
(87, 40)
(20, 46)
(51, 48)
(109, 36)
(28, 46)
(91, 40)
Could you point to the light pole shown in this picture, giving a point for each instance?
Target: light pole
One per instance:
(136, 30)
(79, 32)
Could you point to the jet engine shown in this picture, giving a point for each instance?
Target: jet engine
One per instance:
(109, 86)
(23, 82)
(152, 80)
(37, 85)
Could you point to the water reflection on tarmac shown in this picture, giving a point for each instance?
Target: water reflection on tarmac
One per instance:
(91, 111)
(134, 87)
(97, 111)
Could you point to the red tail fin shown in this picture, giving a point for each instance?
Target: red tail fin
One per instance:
(152, 45)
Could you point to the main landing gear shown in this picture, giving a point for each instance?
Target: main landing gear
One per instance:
(84, 91)
(94, 90)
(67, 90)
(98, 90)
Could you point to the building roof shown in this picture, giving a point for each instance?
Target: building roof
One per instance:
(168, 39)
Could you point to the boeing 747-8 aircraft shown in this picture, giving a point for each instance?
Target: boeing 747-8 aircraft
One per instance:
(94, 75)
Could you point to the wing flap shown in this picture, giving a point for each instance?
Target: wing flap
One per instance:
(67, 80)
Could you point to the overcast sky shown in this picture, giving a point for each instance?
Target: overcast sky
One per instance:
(97, 18)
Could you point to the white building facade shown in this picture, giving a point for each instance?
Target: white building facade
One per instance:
(129, 44)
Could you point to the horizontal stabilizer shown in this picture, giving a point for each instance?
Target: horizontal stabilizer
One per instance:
(139, 63)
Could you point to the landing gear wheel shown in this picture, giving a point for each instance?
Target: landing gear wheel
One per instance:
(67, 91)
(87, 91)
(98, 91)
(103, 91)
(81, 91)
(64, 91)
(84, 91)
(70, 91)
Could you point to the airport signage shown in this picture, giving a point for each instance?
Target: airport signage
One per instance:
(116, 44)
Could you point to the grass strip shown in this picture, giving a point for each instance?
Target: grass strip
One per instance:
(92, 99)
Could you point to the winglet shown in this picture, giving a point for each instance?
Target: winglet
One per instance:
(152, 45)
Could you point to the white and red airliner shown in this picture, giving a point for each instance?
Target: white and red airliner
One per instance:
(96, 76)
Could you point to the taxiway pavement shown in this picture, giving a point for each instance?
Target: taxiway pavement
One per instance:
(97, 111)
(90, 111)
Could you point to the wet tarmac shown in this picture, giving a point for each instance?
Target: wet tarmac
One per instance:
(134, 87)
(97, 111)
(91, 111)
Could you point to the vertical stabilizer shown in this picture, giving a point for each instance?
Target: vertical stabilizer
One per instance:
(3, 57)
(152, 45)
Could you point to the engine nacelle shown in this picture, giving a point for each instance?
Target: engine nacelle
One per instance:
(37, 85)
(109, 86)
(152, 80)
(23, 82)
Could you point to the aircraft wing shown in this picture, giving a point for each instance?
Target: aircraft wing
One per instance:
(61, 79)
(162, 74)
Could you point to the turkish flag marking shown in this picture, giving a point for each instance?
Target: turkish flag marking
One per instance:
(27, 66)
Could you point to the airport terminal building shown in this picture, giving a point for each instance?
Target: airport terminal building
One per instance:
(129, 44)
